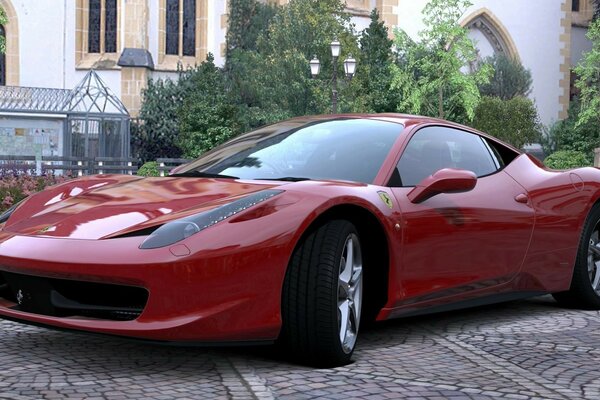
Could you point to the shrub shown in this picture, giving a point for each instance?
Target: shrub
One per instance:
(206, 114)
(566, 159)
(154, 134)
(568, 135)
(149, 169)
(515, 121)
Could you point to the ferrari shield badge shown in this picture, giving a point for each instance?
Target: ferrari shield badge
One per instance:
(386, 199)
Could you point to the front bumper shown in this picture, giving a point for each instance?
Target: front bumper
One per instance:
(215, 294)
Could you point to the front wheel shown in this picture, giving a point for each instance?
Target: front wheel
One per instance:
(323, 295)
(585, 284)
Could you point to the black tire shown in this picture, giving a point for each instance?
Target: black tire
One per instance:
(581, 294)
(310, 315)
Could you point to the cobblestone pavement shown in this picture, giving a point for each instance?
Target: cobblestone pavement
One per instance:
(518, 350)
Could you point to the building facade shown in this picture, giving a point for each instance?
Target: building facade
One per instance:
(54, 43)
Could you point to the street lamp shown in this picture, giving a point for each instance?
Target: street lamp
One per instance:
(349, 69)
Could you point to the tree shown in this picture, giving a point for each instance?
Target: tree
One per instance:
(299, 30)
(510, 79)
(515, 121)
(374, 79)
(430, 76)
(3, 21)
(156, 132)
(206, 114)
(247, 20)
(588, 83)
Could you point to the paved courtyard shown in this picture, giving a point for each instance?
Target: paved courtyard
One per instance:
(517, 350)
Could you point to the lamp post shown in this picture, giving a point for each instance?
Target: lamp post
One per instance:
(349, 69)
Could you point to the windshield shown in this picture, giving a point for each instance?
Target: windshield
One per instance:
(339, 149)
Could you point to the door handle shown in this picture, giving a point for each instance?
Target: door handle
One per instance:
(522, 198)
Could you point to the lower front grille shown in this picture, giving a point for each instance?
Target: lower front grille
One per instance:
(69, 298)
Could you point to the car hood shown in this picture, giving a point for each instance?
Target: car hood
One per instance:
(112, 205)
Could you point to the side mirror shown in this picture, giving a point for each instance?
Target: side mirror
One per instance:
(445, 180)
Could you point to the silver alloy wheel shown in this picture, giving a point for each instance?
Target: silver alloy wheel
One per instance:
(350, 293)
(593, 261)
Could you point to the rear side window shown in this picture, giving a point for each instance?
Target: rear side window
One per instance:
(435, 148)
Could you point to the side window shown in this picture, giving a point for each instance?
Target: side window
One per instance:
(435, 148)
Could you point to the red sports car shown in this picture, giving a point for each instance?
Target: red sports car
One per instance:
(297, 231)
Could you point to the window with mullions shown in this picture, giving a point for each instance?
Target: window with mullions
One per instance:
(181, 27)
(2, 60)
(102, 32)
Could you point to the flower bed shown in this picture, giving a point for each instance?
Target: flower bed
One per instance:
(16, 183)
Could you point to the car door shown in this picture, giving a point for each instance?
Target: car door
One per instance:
(455, 243)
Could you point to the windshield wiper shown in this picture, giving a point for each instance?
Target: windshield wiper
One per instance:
(285, 178)
(198, 174)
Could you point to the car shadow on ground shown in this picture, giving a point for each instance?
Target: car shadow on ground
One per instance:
(121, 354)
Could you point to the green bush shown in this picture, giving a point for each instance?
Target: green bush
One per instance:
(206, 114)
(155, 133)
(566, 159)
(568, 135)
(149, 169)
(514, 121)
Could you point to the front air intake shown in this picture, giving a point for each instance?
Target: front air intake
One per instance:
(72, 298)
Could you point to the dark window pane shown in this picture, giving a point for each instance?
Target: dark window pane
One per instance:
(94, 27)
(110, 32)
(189, 27)
(172, 27)
(575, 6)
(2, 61)
(434, 148)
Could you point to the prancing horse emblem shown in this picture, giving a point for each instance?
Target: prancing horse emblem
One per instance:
(386, 199)
(20, 297)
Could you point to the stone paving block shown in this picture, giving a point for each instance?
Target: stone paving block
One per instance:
(520, 350)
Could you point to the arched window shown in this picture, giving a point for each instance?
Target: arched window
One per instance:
(2, 60)
(181, 28)
(102, 26)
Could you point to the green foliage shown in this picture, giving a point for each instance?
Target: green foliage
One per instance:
(374, 79)
(588, 83)
(154, 134)
(510, 79)
(247, 19)
(429, 76)
(570, 135)
(149, 169)
(3, 21)
(299, 30)
(514, 121)
(206, 115)
(566, 159)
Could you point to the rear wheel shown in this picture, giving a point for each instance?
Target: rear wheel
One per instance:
(585, 284)
(323, 295)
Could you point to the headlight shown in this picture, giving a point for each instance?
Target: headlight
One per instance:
(6, 214)
(180, 229)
